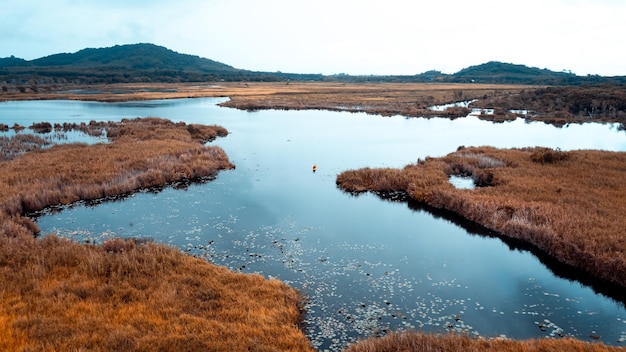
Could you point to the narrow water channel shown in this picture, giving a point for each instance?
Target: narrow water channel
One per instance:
(366, 265)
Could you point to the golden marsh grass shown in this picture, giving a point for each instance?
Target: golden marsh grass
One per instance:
(408, 99)
(570, 205)
(144, 153)
(146, 297)
(57, 295)
(421, 342)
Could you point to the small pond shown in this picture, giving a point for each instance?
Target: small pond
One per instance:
(366, 265)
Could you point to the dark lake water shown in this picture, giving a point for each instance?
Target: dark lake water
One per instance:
(367, 265)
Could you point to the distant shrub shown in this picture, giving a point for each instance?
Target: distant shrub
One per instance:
(41, 127)
(460, 169)
(457, 111)
(483, 178)
(548, 156)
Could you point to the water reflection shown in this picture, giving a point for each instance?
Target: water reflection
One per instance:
(364, 280)
(462, 182)
(366, 265)
(559, 269)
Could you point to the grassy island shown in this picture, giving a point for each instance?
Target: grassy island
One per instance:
(143, 153)
(570, 205)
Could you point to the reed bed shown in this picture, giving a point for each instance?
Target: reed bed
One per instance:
(124, 295)
(144, 153)
(408, 99)
(570, 205)
(41, 127)
(11, 147)
(58, 295)
(387, 99)
(554, 105)
(420, 342)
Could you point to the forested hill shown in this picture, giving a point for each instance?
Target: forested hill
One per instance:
(505, 73)
(509, 73)
(133, 57)
(128, 63)
(153, 63)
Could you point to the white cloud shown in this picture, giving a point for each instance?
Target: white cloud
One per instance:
(332, 36)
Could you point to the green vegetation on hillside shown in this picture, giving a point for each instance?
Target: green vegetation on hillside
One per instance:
(151, 63)
(126, 64)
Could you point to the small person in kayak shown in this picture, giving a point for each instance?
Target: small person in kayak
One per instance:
(314, 167)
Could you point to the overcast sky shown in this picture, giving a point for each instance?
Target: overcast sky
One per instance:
(333, 36)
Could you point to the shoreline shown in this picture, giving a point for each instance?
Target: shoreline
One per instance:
(558, 268)
(557, 206)
(127, 294)
(64, 200)
(384, 99)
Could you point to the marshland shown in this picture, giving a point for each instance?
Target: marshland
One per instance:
(365, 266)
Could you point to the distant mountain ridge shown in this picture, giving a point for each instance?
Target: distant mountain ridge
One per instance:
(511, 73)
(142, 62)
(12, 61)
(133, 56)
(147, 62)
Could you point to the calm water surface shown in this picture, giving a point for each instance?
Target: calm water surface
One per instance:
(366, 265)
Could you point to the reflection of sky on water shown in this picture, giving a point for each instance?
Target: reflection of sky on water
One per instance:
(366, 265)
(386, 268)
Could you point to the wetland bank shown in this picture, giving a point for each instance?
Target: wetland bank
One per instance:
(373, 266)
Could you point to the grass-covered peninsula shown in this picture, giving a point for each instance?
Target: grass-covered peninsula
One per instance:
(124, 295)
(569, 205)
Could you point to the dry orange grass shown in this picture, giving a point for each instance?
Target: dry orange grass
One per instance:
(144, 153)
(58, 295)
(57, 290)
(420, 342)
(408, 99)
(570, 205)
